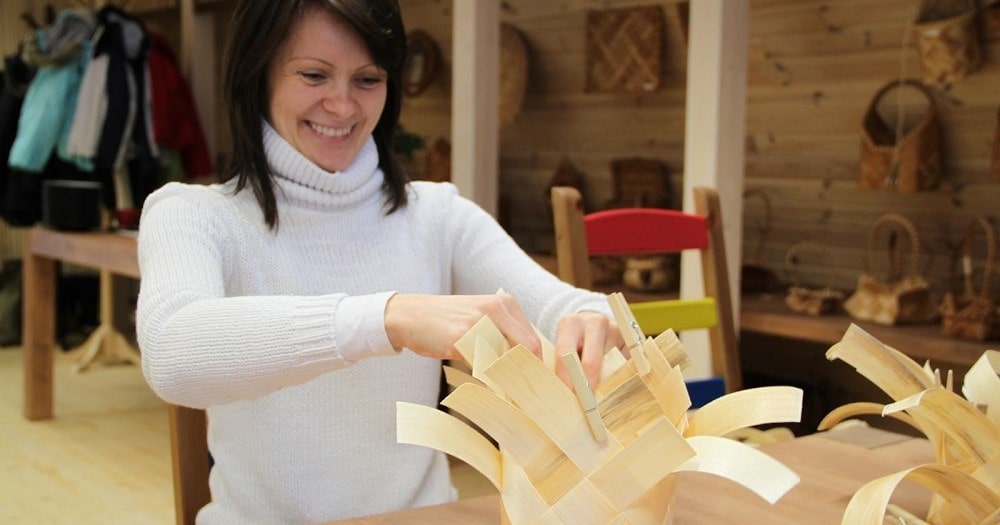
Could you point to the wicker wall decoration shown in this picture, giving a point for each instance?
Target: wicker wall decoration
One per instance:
(624, 49)
(513, 73)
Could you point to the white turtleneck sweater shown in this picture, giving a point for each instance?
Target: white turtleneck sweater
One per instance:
(280, 334)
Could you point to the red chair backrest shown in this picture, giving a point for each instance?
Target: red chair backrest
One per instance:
(644, 231)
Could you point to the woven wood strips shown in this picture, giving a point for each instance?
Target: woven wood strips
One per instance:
(624, 49)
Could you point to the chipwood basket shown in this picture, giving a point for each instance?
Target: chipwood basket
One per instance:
(613, 455)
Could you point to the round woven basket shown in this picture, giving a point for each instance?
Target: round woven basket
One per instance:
(513, 73)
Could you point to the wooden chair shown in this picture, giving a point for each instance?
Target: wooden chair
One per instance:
(191, 462)
(632, 231)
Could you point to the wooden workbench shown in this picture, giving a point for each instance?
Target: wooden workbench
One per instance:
(832, 469)
(43, 248)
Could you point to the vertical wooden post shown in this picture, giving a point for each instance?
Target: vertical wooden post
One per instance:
(715, 122)
(39, 287)
(475, 85)
(197, 36)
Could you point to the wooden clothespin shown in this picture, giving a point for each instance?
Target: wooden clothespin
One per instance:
(631, 332)
(586, 396)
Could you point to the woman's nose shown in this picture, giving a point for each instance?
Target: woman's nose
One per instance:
(338, 100)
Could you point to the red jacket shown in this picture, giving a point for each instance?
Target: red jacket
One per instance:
(175, 118)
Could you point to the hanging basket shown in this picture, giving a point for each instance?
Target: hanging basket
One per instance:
(972, 314)
(513, 74)
(899, 298)
(893, 158)
(947, 36)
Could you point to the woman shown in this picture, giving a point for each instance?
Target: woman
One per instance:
(300, 299)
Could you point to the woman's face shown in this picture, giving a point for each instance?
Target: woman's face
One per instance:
(325, 91)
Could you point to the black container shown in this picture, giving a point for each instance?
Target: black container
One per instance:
(71, 205)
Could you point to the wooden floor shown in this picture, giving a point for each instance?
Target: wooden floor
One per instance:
(105, 457)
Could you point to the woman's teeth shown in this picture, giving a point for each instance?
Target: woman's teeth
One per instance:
(329, 132)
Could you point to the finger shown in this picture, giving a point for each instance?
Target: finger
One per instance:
(594, 337)
(613, 337)
(514, 325)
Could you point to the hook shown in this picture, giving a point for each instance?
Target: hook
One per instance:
(29, 19)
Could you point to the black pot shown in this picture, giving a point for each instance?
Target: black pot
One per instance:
(71, 205)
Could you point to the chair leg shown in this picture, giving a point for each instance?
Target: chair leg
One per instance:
(190, 458)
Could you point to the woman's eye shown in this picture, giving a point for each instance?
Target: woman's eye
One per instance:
(312, 76)
(369, 81)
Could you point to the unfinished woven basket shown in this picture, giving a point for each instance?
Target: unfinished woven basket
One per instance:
(610, 456)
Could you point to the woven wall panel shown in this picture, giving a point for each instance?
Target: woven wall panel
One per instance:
(624, 49)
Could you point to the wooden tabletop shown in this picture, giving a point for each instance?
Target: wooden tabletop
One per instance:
(833, 466)
(111, 250)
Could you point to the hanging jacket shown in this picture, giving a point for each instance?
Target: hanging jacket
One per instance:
(126, 139)
(175, 117)
(17, 77)
(46, 114)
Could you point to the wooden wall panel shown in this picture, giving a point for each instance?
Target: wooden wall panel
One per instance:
(814, 69)
(559, 119)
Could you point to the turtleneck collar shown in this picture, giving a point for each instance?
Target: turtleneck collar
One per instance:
(301, 180)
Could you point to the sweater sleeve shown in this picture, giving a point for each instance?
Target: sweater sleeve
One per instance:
(486, 258)
(202, 347)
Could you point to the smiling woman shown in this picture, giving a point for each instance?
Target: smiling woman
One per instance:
(326, 93)
(314, 288)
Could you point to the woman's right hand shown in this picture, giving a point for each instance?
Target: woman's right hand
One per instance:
(429, 325)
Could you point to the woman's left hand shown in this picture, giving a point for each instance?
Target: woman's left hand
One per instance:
(589, 334)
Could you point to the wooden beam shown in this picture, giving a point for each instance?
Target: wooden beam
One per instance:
(474, 122)
(715, 118)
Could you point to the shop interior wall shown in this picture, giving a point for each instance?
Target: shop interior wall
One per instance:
(813, 68)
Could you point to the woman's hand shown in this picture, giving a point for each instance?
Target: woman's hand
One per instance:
(590, 334)
(429, 325)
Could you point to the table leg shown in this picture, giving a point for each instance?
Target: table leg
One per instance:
(39, 281)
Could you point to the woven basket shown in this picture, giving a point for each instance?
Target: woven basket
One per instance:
(611, 455)
(624, 50)
(947, 35)
(893, 158)
(513, 74)
(805, 299)
(971, 313)
(903, 296)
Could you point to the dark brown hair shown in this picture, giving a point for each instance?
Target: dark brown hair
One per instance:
(258, 30)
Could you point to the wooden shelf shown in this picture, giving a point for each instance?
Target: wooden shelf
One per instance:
(767, 314)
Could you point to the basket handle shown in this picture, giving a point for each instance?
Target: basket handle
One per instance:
(911, 82)
(792, 258)
(765, 229)
(888, 220)
(966, 257)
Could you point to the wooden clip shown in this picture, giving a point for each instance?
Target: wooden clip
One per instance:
(586, 396)
(631, 332)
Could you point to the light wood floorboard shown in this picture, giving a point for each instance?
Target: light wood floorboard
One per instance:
(105, 457)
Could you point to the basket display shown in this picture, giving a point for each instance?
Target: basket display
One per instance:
(947, 34)
(972, 314)
(901, 156)
(897, 298)
(598, 456)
